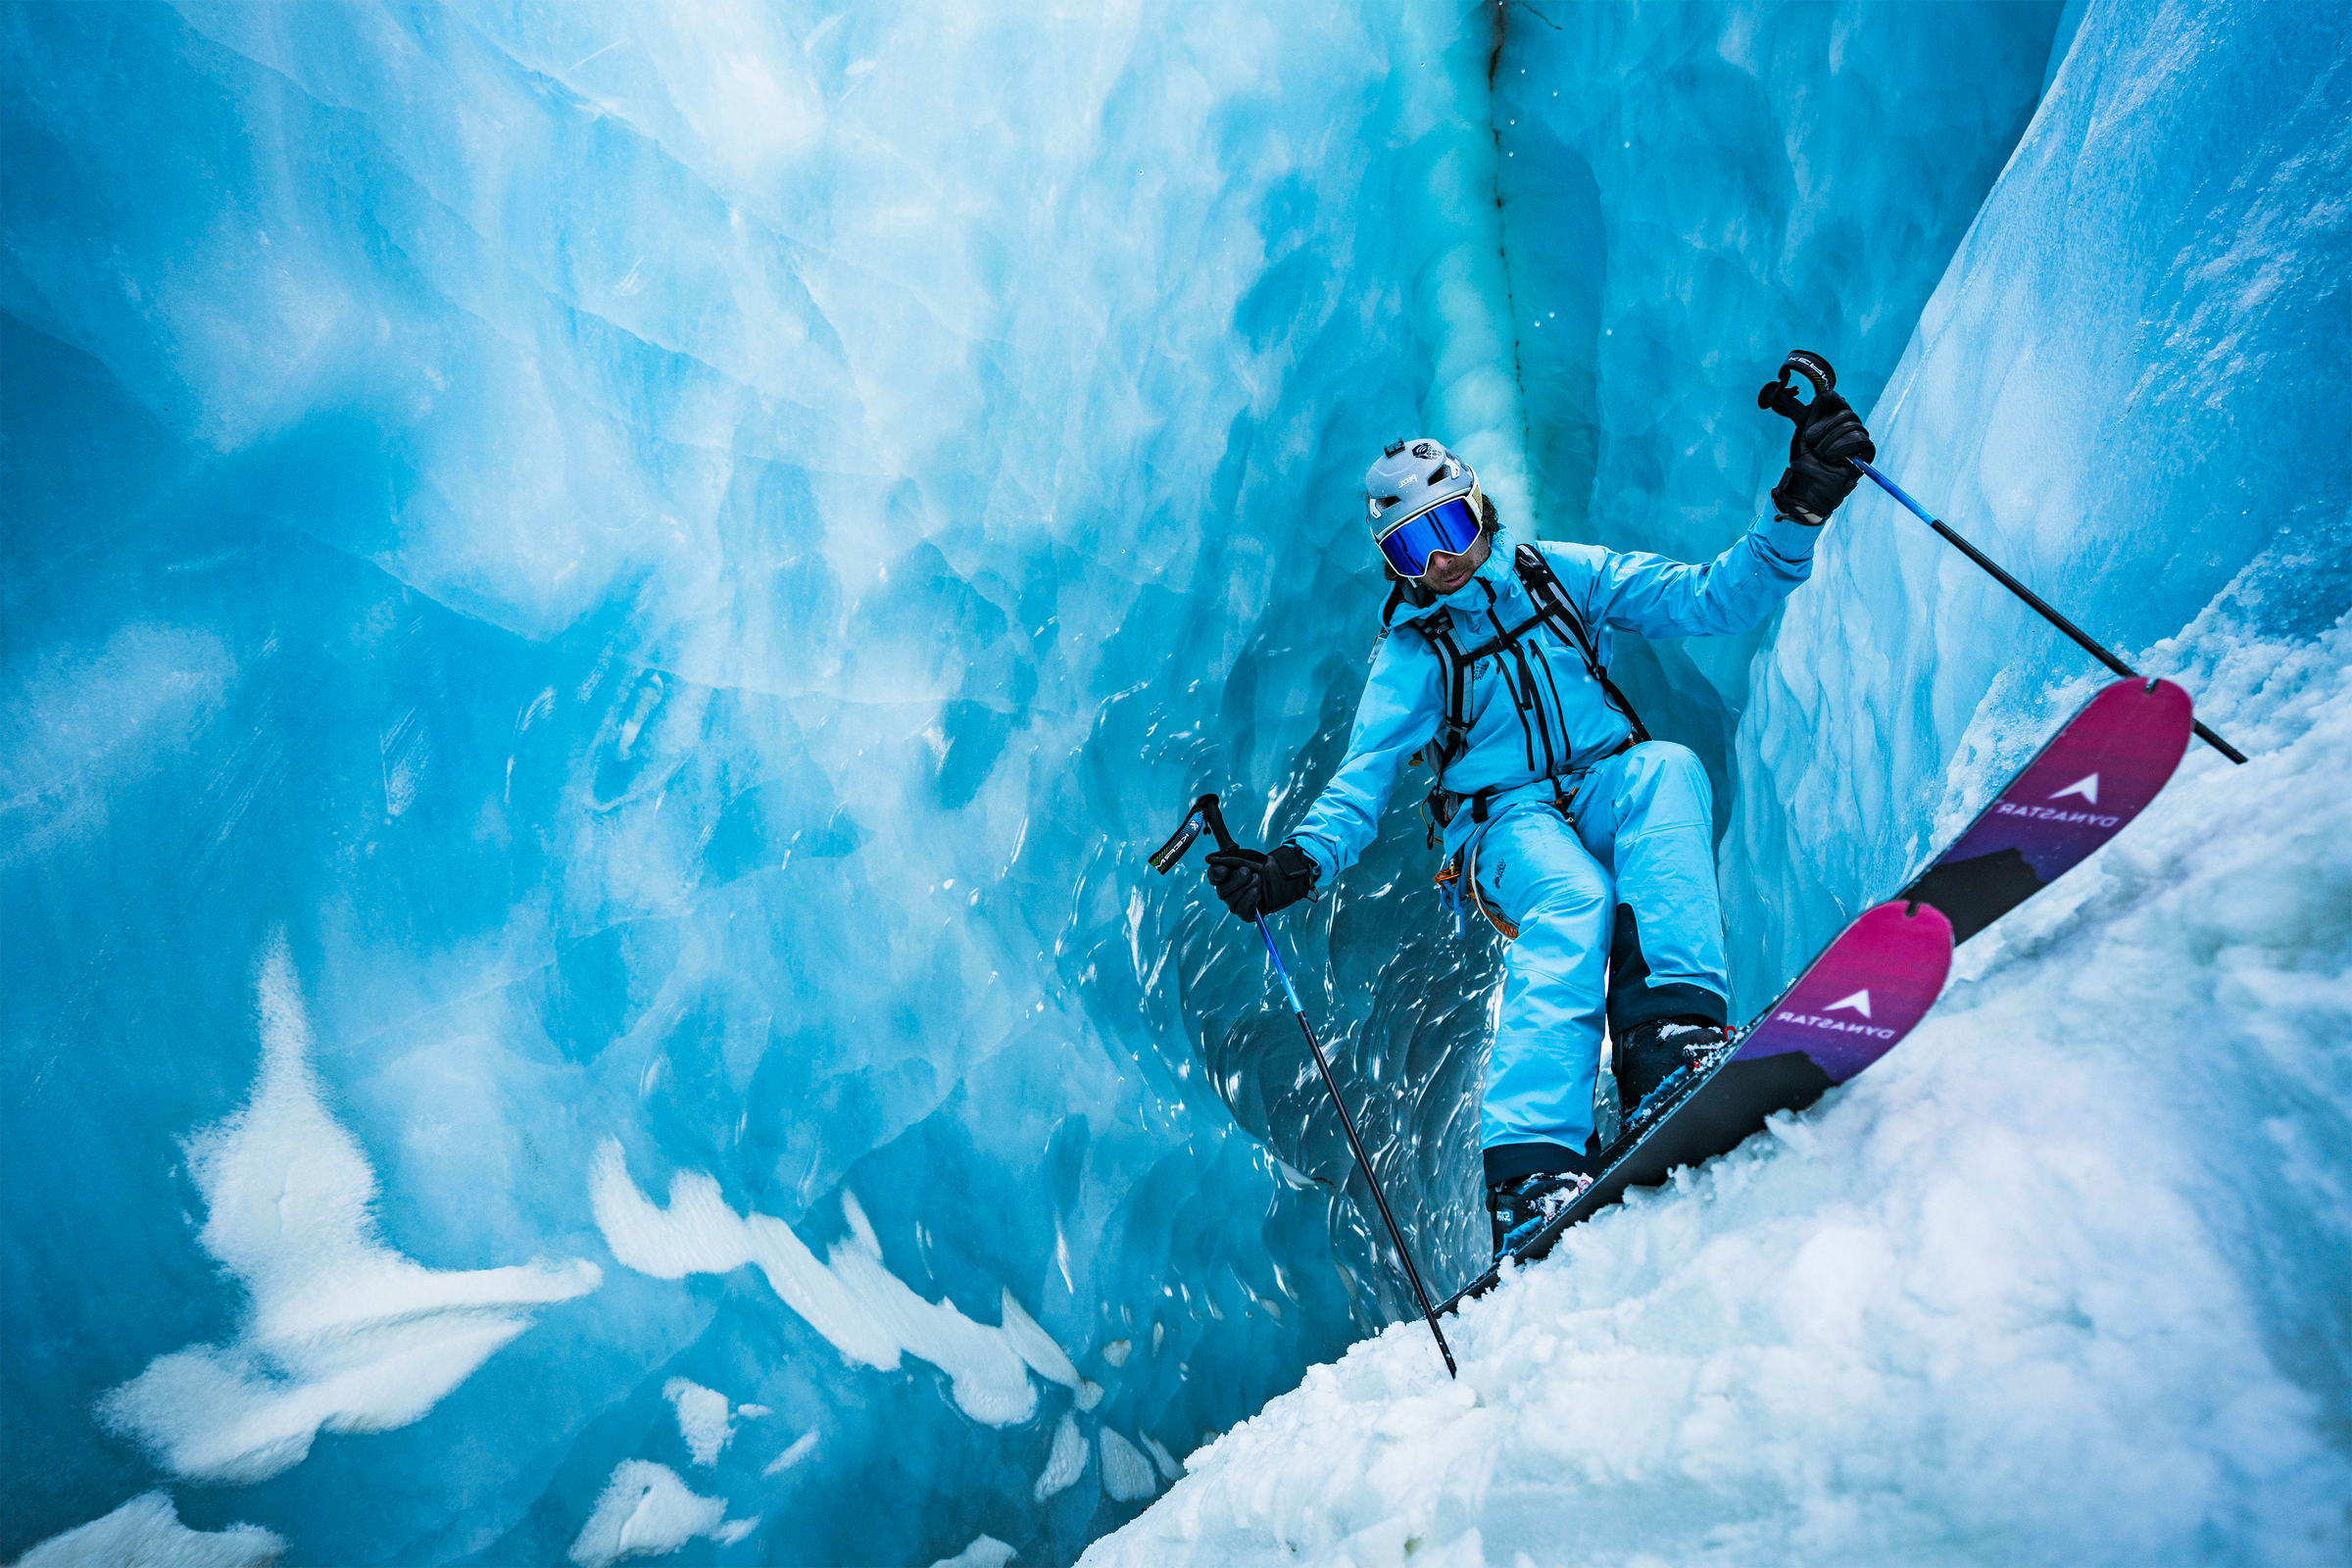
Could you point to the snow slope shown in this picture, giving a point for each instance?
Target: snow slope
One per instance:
(2061, 1281)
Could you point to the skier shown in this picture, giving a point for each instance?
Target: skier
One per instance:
(1588, 844)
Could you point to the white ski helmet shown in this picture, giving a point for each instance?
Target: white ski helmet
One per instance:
(1414, 474)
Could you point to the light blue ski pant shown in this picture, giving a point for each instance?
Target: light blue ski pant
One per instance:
(1617, 918)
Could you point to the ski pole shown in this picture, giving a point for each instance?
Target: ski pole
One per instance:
(1952, 537)
(1163, 861)
(1777, 397)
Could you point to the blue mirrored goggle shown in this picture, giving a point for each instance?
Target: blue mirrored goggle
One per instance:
(1450, 526)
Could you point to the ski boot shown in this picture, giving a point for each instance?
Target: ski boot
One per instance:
(1652, 1056)
(1520, 1207)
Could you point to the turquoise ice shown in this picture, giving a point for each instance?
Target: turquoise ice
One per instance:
(600, 605)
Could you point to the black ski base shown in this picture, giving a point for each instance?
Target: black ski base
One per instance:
(1974, 892)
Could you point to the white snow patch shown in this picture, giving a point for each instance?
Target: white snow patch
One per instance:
(1169, 1465)
(645, 1512)
(703, 1419)
(867, 1312)
(341, 1332)
(2059, 1282)
(985, 1551)
(1066, 1461)
(802, 1447)
(1126, 1473)
(146, 1533)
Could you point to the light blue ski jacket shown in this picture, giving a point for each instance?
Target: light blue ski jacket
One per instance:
(1568, 725)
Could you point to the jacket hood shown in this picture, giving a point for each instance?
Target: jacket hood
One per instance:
(1495, 570)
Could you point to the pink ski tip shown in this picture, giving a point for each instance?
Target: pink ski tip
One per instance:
(1876, 981)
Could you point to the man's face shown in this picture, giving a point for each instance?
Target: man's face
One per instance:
(1446, 572)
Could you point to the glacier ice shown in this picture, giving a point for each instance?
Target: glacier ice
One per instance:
(2127, 388)
(669, 552)
(1751, 180)
(651, 569)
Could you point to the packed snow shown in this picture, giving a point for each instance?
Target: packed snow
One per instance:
(868, 1315)
(146, 1533)
(703, 1419)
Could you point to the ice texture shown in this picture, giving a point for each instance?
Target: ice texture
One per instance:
(643, 577)
(985, 1551)
(2131, 389)
(867, 1312)
(339, 1331)
(1126, 1473)
(647, 1511)
(682, 554)
(1689, 192)
(703, 1419)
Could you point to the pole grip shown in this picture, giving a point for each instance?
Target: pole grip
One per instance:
(1214, 817)
(1166, 857)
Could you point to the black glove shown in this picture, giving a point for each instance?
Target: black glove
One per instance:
(1253, 884)
(1819, 476)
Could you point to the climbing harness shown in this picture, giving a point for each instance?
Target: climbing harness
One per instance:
(1520, 676)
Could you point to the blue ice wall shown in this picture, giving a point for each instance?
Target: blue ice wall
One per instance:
(1690, 191)
(2130, 388)
(601, 607)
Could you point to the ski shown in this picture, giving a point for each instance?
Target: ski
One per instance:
(2093, 777)
(1879, 976)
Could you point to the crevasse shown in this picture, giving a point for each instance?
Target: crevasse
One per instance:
(601, 604)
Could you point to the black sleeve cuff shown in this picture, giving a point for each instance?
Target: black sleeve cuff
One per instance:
(1295, 863)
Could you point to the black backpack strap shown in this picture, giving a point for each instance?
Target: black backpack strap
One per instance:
(1453, 725)
(1542, 585)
